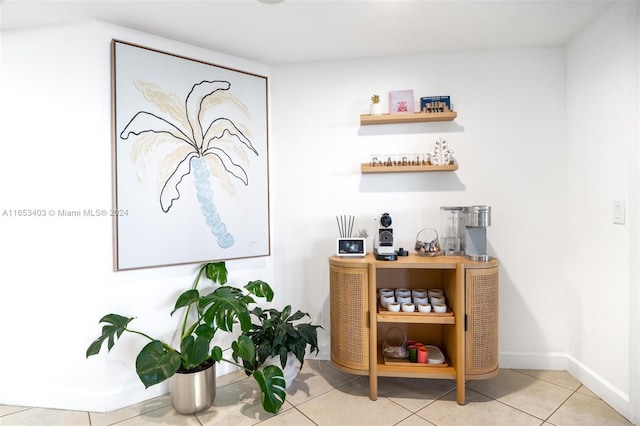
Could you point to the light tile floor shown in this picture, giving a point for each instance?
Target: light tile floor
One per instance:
(321, 395)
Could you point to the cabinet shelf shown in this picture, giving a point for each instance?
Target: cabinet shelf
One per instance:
(416, 317)
(367, 168)
(416, 117)
(426, 371)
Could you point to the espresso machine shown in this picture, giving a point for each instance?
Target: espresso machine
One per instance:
(477, 219)
(385, 249)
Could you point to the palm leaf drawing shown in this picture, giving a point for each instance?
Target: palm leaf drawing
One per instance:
(214, 147)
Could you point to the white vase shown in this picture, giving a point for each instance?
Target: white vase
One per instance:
(290, 369)
(375, 109)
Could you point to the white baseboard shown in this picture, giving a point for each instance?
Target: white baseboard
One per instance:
(81, 400)
(561, 361)
(610, 394)
(533, 360)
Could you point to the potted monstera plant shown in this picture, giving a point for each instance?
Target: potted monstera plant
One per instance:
(191, 366)
(279, 340)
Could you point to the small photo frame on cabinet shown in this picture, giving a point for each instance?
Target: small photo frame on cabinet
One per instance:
(401, 102)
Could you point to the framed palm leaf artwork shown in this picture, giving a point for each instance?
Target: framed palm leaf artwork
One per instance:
(190, 149)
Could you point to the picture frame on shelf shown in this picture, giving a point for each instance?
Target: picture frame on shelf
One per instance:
(401, 102)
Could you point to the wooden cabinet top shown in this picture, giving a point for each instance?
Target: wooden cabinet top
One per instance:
(413, 261)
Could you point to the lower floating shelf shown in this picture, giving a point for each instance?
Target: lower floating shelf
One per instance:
(368, 168)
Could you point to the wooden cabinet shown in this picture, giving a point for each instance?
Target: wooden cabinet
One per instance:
(468, 336)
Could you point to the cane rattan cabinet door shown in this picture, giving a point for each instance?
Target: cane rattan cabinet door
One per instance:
(482, 322)
(349, 317)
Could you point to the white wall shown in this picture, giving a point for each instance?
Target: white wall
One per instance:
(602, 123)
(57, 278)
(509, 139)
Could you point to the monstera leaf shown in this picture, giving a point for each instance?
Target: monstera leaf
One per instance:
(156, 362)
(271, 382)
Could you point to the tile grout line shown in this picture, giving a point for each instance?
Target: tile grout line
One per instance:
(295, 407)
(550, 382)
(516, 408)
(558, 407)
(431, 403)
(573, 392)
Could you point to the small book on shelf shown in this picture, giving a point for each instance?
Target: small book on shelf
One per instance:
(435, 104)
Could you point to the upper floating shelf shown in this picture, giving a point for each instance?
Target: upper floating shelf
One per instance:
(416, 117)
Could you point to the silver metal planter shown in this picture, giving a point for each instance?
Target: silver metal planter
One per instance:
(193, 392)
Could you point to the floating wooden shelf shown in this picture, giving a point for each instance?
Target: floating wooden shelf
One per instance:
(416, 117)
(367, 168)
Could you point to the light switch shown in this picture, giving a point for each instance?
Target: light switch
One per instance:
(618, 212)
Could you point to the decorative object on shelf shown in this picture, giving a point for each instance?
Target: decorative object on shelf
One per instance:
(433, 292)
(205, 314)
(390, 160)
(401, 102)
(441, 154)
(437, 300)
(413, 353)
(385, 299)
(435, 355)
(408, 307)
(393, 307)
(417, 300)
(404, 159)
(375, 108)
(394, 345)
(345, 225)
(424, 307)
(439, 308)
(418, 159)
(423, 355)
(427, 243)
(435, 104)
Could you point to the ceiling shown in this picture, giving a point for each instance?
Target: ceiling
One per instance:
(310, 30)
